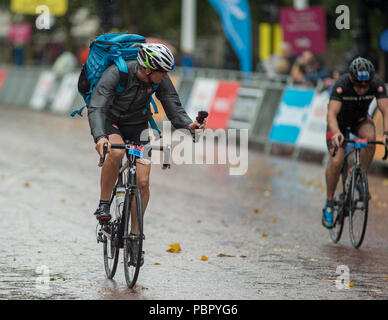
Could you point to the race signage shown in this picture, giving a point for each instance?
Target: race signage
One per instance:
(291, 115)
(313, 132)
(63, 101)
(56, 7)
(222, 105)
(246, 108)
(3, 75)
(201, 96)
(304, 29)
(43, 89)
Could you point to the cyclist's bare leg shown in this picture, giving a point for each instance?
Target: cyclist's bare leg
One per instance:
(143, 183)
(367, 131)
(333, 171)
(110, 169)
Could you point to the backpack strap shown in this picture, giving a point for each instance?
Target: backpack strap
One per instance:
(150, 102)
(123, 71)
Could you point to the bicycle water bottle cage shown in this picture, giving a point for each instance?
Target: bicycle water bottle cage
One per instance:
(361, 143)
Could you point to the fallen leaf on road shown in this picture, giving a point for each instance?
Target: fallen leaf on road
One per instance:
(273, 220)
(385, 182)
(256, 211)
(63, 200)
(267, 193)
(157, 264)
(222, 255)
(242, 256)
(26, 185)
(204, 258)
(174, 248)
(265, 235)
(351, 284)
(259, 186)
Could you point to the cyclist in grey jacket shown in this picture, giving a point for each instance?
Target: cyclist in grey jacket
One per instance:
(115, 119)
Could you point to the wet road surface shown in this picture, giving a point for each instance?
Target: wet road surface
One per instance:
(261, 232)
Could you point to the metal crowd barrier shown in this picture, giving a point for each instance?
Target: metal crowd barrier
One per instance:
(257, 104)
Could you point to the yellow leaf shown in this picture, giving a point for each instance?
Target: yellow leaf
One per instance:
(175, 247)
(157, 264)
(264, 235)
(204, 258)
(27, 185)
(273, 220)
(242, 256)
(351, 284)
(385, 182)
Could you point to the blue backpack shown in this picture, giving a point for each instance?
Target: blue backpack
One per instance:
(105, 50)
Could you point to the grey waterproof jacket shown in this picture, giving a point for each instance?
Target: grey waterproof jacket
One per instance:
(127, 108)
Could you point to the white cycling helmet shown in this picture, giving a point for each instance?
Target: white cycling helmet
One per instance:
(155, 56)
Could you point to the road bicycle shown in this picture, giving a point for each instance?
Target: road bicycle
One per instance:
(353, 200)
(115, 235)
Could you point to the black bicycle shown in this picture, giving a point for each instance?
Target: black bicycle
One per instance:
(353, 200)
(116, 234)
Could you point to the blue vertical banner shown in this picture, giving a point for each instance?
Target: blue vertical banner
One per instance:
(236, 21)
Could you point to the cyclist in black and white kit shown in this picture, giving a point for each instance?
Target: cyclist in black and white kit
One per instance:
(348, 107)
(114, 120)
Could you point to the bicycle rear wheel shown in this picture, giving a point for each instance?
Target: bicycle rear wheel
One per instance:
(131, 270)
(358, 207)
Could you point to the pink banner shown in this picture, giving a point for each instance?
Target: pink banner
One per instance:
(304, 29)
(20, 33)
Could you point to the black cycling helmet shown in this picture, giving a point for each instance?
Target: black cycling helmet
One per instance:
(361, 69)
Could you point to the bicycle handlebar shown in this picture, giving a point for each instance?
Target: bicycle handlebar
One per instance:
(202, 115)
(165, 149)
(368, 142)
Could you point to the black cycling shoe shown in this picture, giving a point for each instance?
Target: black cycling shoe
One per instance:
(134, 250)
(102, 213)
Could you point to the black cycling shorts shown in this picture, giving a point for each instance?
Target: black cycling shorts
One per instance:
(353, 129)
(135, 133)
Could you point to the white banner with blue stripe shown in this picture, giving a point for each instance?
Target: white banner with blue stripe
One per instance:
(291, 115)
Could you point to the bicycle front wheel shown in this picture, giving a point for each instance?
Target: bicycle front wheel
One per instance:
(111, 249)
(133, 247)
(336, 231)
(358, 207)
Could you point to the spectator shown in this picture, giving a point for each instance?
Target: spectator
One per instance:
(298, 73)
(335, 75)
(279, 64)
